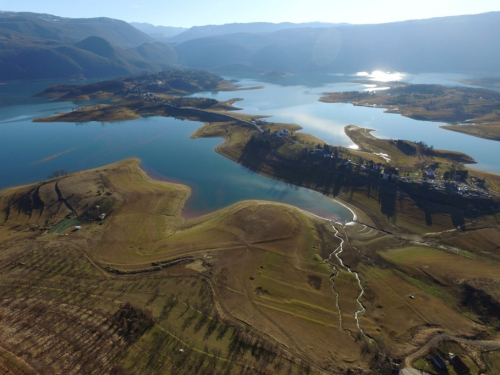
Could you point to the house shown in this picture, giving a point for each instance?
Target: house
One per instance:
(438, 362)
(457, 363)
(430, 173)
(77, 227)
(390, 174)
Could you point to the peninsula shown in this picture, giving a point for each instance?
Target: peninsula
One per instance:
(472, 111)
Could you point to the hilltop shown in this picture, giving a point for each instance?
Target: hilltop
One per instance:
(72, 30)
(143, 240)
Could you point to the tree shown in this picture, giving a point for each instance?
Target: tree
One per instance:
(54, 174)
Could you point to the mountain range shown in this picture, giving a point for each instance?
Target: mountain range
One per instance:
(41, 46)
(196, 32)
(449, 44)
(162, 33)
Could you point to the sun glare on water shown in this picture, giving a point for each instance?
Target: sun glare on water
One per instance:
(378, 75)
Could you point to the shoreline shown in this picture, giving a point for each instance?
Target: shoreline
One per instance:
(421, 112)
(192, 214)
(230, 148)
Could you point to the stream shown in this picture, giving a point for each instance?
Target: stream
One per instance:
(361, 309)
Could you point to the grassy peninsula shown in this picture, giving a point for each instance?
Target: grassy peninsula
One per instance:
(131, 97)
(471, 111)
(244, 287)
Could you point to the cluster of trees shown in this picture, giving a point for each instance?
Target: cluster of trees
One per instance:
(424, 148)
(132, 321)
(58, 173)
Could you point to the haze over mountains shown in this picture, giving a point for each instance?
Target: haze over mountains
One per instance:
(162, 33)
(41, 46)
(237, 28)
(460, 44)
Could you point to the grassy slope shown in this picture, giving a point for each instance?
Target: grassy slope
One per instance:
(363, 138)
(278, 246)
(257, 283)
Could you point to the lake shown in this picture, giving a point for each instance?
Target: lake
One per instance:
(299, 104)
(29, 151)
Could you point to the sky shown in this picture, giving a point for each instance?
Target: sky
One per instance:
(187, 13)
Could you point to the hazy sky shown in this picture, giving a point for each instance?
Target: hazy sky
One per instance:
(189, 13)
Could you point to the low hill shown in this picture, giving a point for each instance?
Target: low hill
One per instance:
(96, 45)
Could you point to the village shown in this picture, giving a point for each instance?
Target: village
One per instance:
(454, 182)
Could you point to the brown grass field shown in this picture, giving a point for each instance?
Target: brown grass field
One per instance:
(255, 287)
(242, 289)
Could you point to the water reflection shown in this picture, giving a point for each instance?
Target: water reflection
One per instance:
(378, 75)
(300, 105)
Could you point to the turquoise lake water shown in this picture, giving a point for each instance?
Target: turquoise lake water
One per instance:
(167, 152)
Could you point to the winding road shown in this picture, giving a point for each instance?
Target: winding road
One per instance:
(436, 340)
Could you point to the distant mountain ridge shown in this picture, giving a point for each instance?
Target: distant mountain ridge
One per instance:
(196, 32)
(46, 26)
(41, 46)
(448, 44)
(158, 32)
